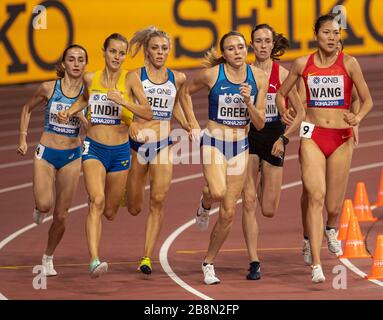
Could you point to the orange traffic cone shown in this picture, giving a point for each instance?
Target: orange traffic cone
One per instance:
(377, 267)
(379, 200)
(347, 211)
(354, 247)
(362, 204)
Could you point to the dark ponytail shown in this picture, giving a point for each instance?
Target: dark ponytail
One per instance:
(281, 43)
(60, 70)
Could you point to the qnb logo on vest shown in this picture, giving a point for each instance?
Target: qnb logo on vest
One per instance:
(326, 91)
(232, 110)
(271, 108)
(72, 126)
(104, 111)
(162, 104)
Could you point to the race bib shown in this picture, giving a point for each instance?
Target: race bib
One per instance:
(72, 126)
(306, 130)
(161, 100)
(232, 110)
(326, 91)
(39, 151)
(271, 108)
(85, 147)
(104, 111)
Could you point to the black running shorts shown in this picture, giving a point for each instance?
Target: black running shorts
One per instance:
(261, 142)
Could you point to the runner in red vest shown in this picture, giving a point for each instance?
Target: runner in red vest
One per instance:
(326, 144)
(266, 146)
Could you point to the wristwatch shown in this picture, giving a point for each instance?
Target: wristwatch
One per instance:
(285, 140)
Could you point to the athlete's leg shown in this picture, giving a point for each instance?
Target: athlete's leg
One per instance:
(249, 205)
(160, 178)
(338, 167)
(234, 183)
(304, 206)
(271, 182)
(95, 176)
(43, 184)
(66, 184)
(114, 191)
(313, 165)
(135, 185)
(214, 170)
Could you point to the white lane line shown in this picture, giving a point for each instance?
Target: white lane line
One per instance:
(20, 186)
(359, 272)
(14, 235)
(17, 120)
(16, 132)
(163, 256)
(14, 146)
(15, 164)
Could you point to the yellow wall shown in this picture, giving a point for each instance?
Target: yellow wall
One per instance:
(27, 54)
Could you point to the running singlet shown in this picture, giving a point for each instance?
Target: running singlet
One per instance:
(329, 87)
(59, 102)
(226, 105)
(272, 114)
(104, 111)
(161, 97)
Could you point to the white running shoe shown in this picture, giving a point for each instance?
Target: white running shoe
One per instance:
(97, 270)
(48, 268)
(307, 252)
(209, 274)
(202, 217)
(334, 245)
(317, 274)
(38, 216)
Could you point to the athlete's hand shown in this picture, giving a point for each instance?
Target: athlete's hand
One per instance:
(351, 119)
(288, 118)
(63, 116)
(116, 96)
(22, 148)
(195, 133)
(134, 131)
(278, 148)
(245, 91)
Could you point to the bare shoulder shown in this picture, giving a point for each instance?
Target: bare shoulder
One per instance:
(88, 77)
(46, 88)
(300, 63)
(133, 76)
(350, 60)
(179, 76)
(206, 75)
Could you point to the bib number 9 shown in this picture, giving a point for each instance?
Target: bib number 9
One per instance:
(306, 130)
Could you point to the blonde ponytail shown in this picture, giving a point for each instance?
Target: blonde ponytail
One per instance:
(141, 39)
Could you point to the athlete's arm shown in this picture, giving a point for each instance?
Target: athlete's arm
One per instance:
(178, 113)
(366, 103)
(287, 85)
(257, 111)
(296, 104)
(40, 97)
(355, 107)
(84, 121)
(133, 84)
(80, 103)
(197, 83)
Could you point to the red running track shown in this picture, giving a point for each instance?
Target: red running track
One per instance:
(284, 275)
